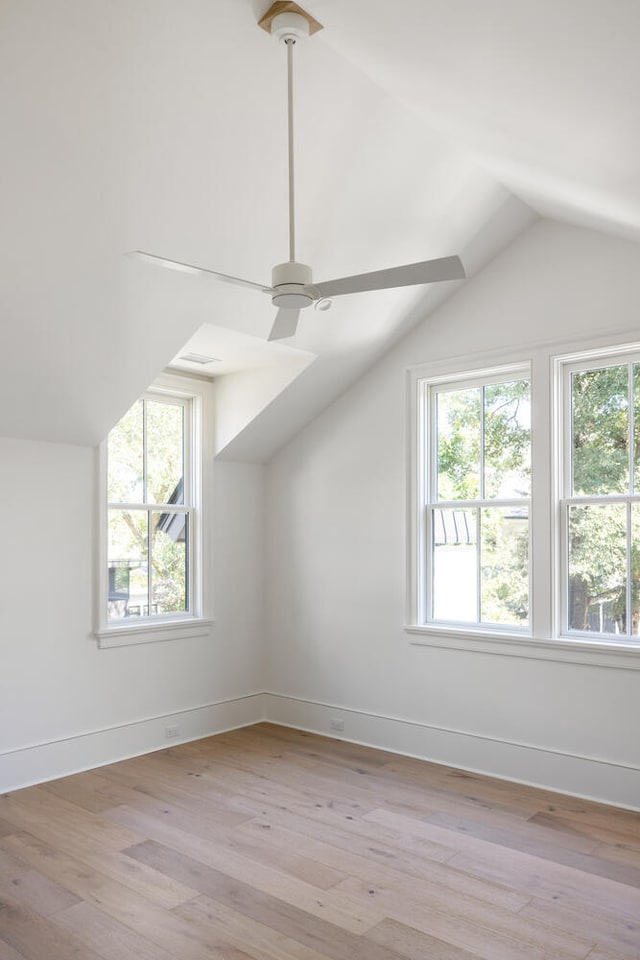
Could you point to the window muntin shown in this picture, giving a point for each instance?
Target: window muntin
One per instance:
(150, 512)
(599, 507)
(476, 450)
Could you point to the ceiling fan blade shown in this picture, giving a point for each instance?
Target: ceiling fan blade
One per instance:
(284, 325)
(189, 268)
(411, 274)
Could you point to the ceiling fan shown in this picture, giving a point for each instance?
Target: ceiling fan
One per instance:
(292, 288)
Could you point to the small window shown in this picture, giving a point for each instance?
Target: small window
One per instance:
(600, 504)
(149, 517)
(152, 524)
(476, 470)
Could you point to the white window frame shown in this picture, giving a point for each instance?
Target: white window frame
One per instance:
(565, 367)
(195, 396)
(429, 388)
(546, 639)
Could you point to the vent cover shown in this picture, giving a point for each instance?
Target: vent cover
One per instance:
(200, 358)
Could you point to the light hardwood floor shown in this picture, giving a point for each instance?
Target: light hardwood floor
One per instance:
(273, 844)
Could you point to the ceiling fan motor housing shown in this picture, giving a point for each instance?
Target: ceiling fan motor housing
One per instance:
(292, 281)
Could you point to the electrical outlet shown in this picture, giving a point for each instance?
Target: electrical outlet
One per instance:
(172, 731)
(336, 723)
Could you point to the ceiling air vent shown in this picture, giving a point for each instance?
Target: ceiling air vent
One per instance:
(200, 358)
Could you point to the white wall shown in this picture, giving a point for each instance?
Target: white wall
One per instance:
(65, 704)
(332, 511)
(336, 527)
(240, 397)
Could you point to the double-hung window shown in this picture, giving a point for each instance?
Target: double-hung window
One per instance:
(152, 519)
(525, 504)
(600, 497)
(475, 465)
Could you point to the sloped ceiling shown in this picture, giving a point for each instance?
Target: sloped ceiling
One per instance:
(422, 129)
(543, 93)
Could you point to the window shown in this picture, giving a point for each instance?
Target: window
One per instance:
(152, 519)
(475, 467)
(524, 504)
(600, 502)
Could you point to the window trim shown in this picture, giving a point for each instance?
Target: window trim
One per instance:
(196, 396)
(544, 641)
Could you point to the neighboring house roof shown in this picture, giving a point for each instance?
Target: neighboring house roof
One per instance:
(174, 524)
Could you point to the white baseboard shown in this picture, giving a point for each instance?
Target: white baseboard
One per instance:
(36, 763)
(590, 778)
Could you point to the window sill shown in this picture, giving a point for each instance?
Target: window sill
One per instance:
(622, 656)
(123, 636)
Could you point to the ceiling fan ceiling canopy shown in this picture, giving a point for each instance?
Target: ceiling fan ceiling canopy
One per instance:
(273, 21)
(292, 288)
(289, 26)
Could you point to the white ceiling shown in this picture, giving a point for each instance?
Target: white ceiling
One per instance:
(420, 129)
(544, 93)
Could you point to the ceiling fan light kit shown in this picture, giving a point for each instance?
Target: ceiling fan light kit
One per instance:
(292, 288)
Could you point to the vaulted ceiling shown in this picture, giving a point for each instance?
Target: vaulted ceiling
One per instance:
(423, 128)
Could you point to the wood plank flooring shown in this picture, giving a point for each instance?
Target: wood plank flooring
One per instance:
(272, 844)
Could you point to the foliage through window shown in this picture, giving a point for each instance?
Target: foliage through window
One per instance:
(477, 486)
(150, 511)
(601, 502)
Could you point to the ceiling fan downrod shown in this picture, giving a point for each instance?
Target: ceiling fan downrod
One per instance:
(290, 44)
(289, 278)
